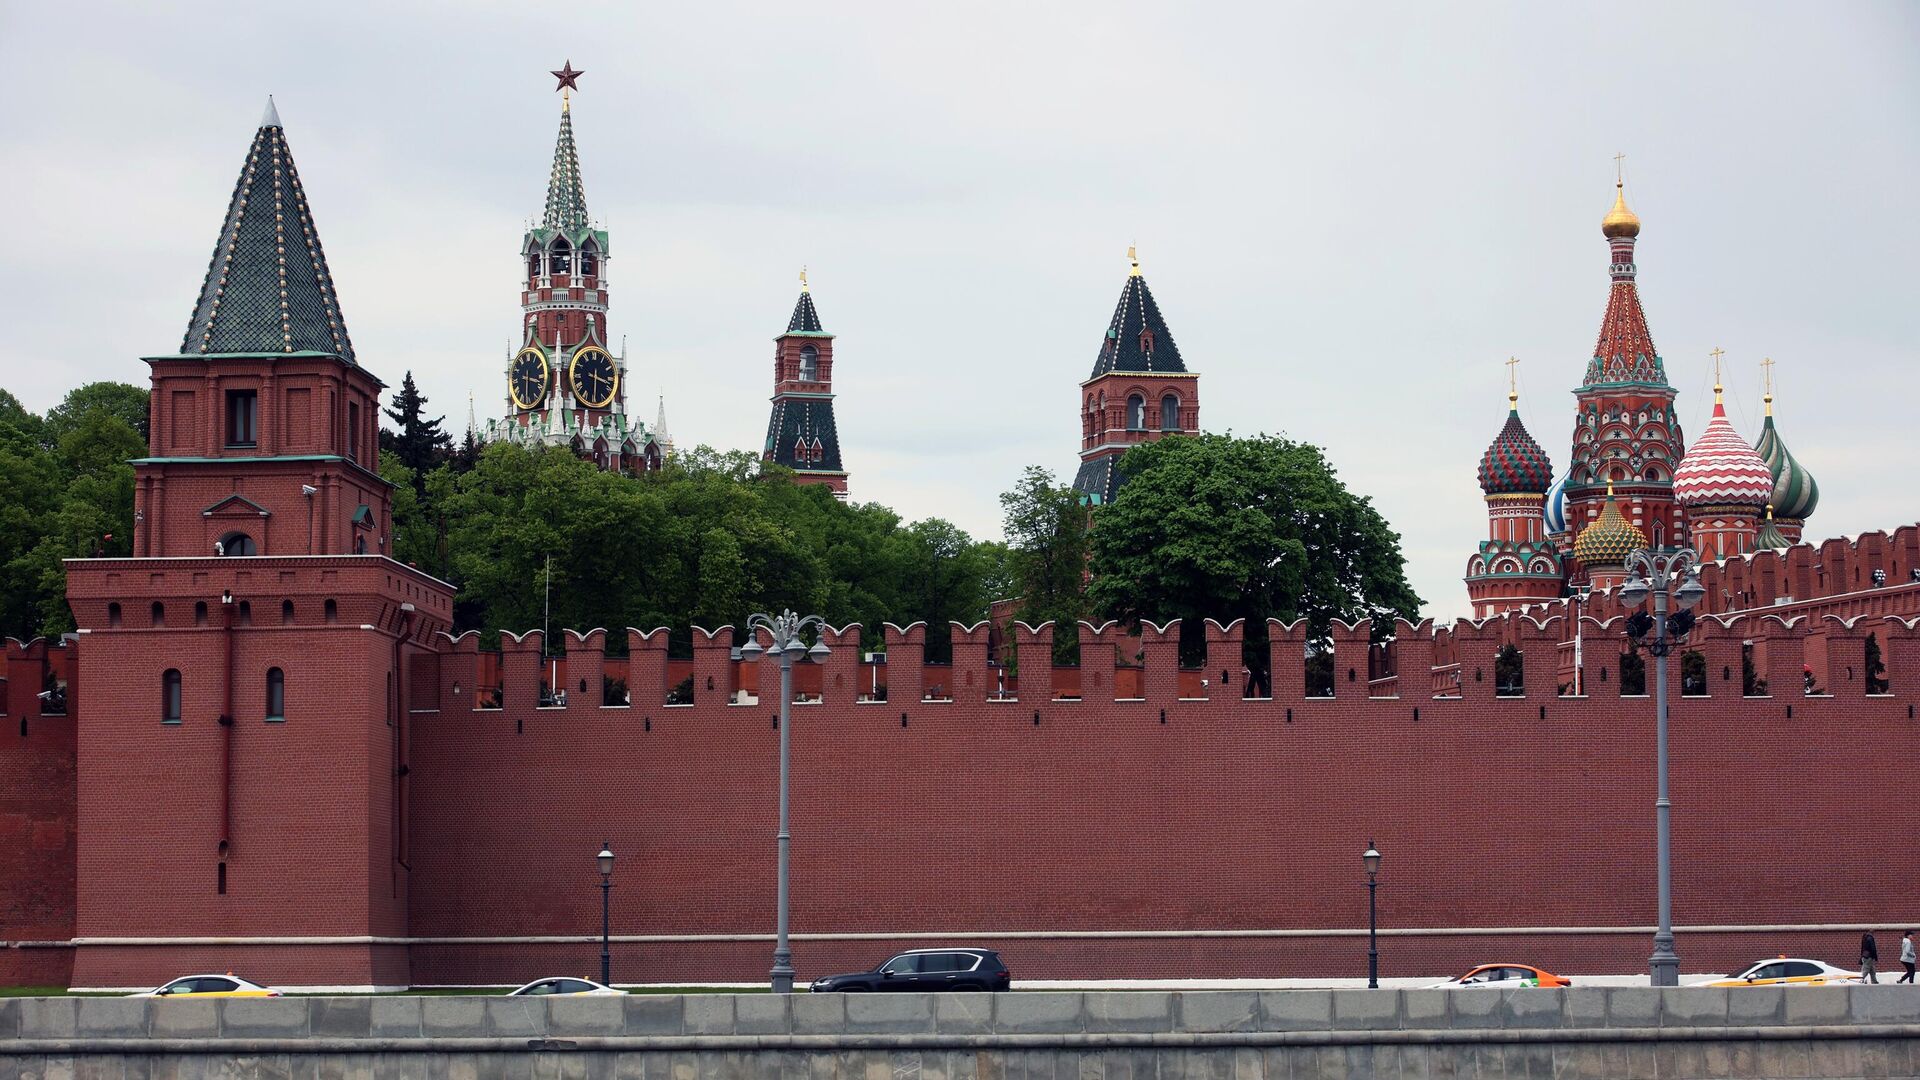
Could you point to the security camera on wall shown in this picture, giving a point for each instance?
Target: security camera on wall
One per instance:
(308, 490)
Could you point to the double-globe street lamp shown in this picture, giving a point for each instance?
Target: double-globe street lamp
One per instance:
(1653, 573)
(1371, 857)
(605, 859)
(784, 629)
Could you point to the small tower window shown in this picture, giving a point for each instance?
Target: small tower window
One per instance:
(562, 258)
(1170, 413)
(242, 413)
(589, 263)
(1136, 413)
(353, 431)
(113, 616)
(159, 613)
(200, 613)
(286, 611)
(276, 694)
(332, 611)
(809, 363)
(237, 543)
(170, 696)
(533, 265)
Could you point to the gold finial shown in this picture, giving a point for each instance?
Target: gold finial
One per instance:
(1609, 487)
(1134, 260)
(1717, 353)
(1766, 371)
(566, 102)
(1513, 382)
(1620, 221)
(803, 279)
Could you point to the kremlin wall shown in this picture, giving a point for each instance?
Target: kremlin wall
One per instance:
(276, 759)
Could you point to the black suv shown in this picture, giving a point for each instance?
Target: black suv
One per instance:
(927, 969)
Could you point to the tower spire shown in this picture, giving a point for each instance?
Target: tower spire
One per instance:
(566, 194)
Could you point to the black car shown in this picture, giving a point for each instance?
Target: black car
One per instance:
(924, 970)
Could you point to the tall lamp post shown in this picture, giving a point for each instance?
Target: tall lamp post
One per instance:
(605, 859)
(1372, 859)
(1653, 573)
(784, 629)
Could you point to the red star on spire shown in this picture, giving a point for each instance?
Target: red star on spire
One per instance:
(569, 78)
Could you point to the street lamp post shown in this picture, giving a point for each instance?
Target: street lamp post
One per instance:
(605, 859)
(1372, 860)
(1653, 573)
(784, 630)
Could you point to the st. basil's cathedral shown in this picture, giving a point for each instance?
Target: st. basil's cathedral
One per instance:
(1632, 482)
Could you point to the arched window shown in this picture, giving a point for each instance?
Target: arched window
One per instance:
(1170, 413)
(159, 613)
(809, 363)
(170, 696)
(244, 616)
(200, 613)
(589, 263)
(286, 611)
(533, 265)
(332, 611)
(113, 616)
(238, 543)
(276, 694)
(561, 260)
(1136, 412)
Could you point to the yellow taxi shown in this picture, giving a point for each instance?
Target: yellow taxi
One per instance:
(1789, 971)
(211, 986)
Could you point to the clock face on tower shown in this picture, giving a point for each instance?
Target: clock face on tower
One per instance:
(527, 379)
(593, 377)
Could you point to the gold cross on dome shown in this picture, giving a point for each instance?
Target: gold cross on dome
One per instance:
(1717, 353)
(1513, 379)
(1619, 168)
(1766, 370)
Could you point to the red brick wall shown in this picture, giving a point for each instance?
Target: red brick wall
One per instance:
(36, 822)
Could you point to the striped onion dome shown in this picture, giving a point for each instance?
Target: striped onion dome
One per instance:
(1770, 538)
(1609, 539)
(1720, 469)
(1795, 495)
(1554, 512)
(1514, 464)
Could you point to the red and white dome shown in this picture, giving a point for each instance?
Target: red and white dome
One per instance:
(1721, 469)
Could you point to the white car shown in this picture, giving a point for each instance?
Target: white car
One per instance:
(207, 986)
(563, 987)
(1789, 971)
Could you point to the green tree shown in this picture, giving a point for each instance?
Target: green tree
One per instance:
(1046, 529)
(418, 442)
(124, 401)
(1210, 526)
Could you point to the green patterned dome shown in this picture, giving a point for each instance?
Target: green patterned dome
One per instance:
(1609, 539)
(1795, 495)
(1770, 538)
(1514, 464)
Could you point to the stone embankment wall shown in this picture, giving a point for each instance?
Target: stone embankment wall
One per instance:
(1620, 1033)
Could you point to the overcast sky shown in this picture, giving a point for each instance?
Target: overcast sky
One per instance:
(1349, 214)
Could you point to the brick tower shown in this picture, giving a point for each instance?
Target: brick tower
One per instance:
(566, 386)
(248, 658)
(1517, 564)
(801, 433)
(1139, 391)
(1626, 432)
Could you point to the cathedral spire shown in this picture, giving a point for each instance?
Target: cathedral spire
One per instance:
(1624, 352)
(267, 289)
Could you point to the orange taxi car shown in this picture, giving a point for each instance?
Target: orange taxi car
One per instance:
(1503, 977)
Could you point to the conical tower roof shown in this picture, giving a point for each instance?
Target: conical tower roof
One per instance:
(1795, 495)
(805, 320)
(566, 194)
(1624, 351)
(1137, 339)
(268, 289)
(1610, 539)
(1514, 464)
(1720, 469)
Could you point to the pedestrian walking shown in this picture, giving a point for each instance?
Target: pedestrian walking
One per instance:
(1906, 955)
(1869, 958)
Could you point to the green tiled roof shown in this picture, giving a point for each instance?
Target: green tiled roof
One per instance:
(566, 195)
(268, 289)
(1137, 339)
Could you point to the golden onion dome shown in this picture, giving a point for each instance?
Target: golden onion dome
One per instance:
(1609, 539)
(1620, 221)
